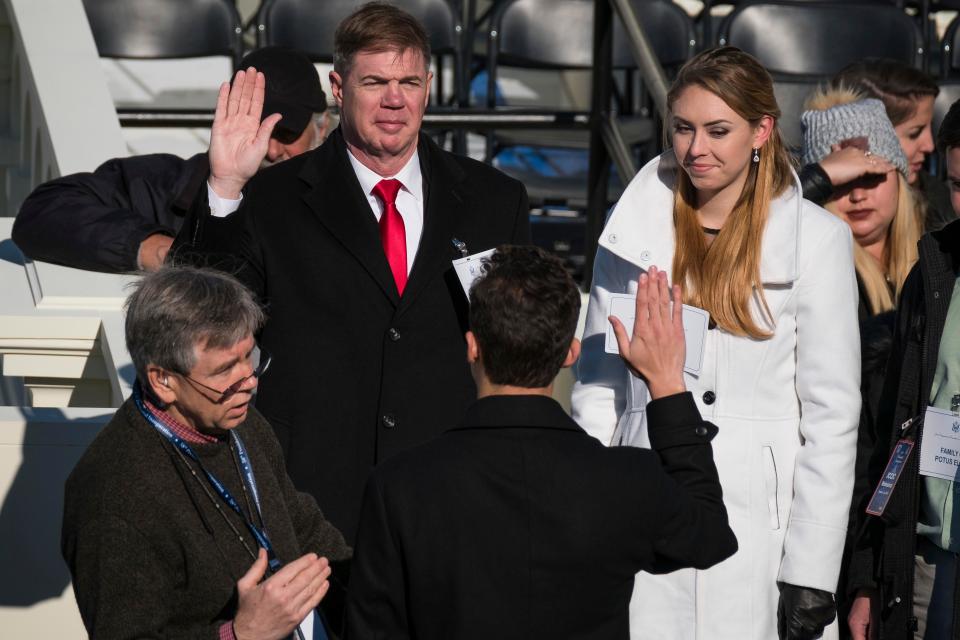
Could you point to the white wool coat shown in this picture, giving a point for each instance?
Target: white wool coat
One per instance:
(787, 409)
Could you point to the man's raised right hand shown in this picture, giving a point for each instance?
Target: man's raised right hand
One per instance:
(238, 140)
(271, 610)
(656, 349)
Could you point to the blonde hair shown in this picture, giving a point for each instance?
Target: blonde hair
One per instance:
(722, 277)
(899, 252)
(900, 247)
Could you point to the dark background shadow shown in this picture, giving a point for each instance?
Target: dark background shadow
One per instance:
(32, 510)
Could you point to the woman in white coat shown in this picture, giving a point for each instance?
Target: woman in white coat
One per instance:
(723, 213)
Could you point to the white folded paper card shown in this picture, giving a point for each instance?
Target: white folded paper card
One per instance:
(696, 321)
(940, 447)
(469, 268)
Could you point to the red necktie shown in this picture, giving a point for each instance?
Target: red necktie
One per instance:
(392, 232)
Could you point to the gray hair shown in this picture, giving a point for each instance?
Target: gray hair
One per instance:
(176, 309)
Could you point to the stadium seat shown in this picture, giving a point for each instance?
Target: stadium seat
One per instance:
(803, 43)
(165, 55)
(950, 50)
(519, 36)
(158, 29)
(309, 25)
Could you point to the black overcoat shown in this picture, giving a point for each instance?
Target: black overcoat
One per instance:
(359, 373)
(884, 555)
(519, 525)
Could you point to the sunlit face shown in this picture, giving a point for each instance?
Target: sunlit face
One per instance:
(382, 100)
(953, 177)
(713, 143)
(868, 205)
(916, 136)
(198, 403)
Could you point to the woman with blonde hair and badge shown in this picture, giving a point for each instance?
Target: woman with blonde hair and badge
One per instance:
(779, 371)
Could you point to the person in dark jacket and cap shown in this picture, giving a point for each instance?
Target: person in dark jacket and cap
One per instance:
(124, 215)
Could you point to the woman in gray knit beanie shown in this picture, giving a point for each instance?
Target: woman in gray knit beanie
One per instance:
(882, 211)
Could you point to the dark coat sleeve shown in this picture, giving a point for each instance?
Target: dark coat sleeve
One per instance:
(377, 574)
(97, 220)
(693, 530)
(228, 244)
(868, 530)
(817, 187)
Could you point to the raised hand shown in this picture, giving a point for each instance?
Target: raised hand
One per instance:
(238, 140)
(656, 350)
(846, 164)
(271, 610)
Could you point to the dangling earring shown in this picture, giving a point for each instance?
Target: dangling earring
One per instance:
(756, 154)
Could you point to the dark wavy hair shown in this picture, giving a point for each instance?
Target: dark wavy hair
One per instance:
(899, 86)
(523, 312)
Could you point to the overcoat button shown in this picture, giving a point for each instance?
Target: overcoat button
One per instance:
(645, 256)
(701, 431)
(612, 238)
(709, 397)
(394, 334)
(388, 421)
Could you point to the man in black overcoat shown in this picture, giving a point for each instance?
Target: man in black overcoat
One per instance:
(516, 523)
(350, 247)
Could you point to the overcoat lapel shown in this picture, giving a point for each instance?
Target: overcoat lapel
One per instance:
(441, 214)
(341, 206)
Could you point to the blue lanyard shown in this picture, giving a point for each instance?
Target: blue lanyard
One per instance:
(246, 472)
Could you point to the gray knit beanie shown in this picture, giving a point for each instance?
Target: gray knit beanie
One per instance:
(862, 119)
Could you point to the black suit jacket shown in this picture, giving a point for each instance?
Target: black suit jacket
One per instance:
(518, 524)
(359, 373)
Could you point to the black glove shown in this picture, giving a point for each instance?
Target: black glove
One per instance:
(803, 612)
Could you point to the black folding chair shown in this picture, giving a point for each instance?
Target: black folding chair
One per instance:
(159, 29)
(803, 43)
(309, 25)
(555, 35)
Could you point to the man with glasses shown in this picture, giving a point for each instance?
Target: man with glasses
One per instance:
(124, 215)
(180, 520)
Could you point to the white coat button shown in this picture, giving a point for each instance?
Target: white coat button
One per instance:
(612, 238)
(645, 256)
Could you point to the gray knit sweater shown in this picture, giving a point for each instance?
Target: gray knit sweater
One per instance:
(149, 555)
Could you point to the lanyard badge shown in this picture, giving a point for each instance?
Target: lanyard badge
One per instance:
(891, 474)
(260, 535)
(893, 470)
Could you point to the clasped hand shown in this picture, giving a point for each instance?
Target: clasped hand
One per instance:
(656, 349)
(271, 610)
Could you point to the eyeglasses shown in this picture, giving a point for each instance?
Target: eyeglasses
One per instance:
(265, 360)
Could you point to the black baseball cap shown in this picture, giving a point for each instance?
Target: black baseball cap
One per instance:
(293, 88)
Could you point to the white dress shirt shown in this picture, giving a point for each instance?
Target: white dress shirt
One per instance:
(409, 199)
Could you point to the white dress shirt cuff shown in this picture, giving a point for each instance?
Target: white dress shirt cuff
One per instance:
(221, 207)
